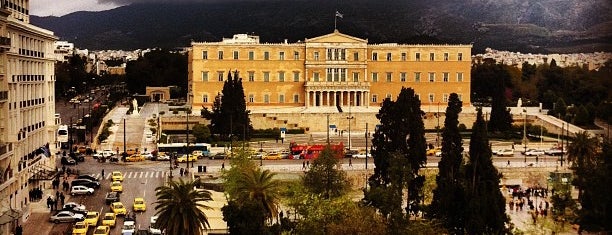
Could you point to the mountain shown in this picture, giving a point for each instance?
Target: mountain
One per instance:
(560, 26)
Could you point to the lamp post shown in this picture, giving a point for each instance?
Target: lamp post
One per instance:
(261, 152)
(124, 142)
(349, 118)
(188, 111)
(525, 134)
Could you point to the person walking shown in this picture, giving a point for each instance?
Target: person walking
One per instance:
(62, 198)
(49, 201)
(303, 165)
(102, 174)
(350, 162)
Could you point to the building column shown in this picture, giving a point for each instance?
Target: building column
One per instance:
(327, 98)
(341, 98)
(307, 100)
(355, 98)
(319, 98)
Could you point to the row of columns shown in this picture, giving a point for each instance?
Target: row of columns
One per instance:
(337, 98)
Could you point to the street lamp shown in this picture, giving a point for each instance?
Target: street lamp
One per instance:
(261, 152)
(525, 134)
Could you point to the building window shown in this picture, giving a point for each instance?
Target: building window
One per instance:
(316, 55)
(374, 98)
(251, 55)
(296, 98)
(315, 76)
(281, 55)
(205, 99)
(374, 56)
(296, 55)
(204, 55)
(432, 56)
(205, 76)
(220, 75)
(432, 77)
(220, 55)
(388, 56)
(281, 76)
(459, 77)
(355, 76)
(445, 56)
(235, 55)
(356, 56)
(266, 98)
(403, 56)
(296, 76)
(251, 76)
(389, 76)
(374, 77)
(388, 96)
(445, 76)
(266, 76)
(445, 98)
(266, 55)
(431, 97)
(417, 56)
(330, 75)
(460, 56)
(417, 77)
(281, 99)
(403, 76)
(251, 98)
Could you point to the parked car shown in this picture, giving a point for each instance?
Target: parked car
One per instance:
(349, 153)
(66, 216)
(533, 152)
(88, 177)
(505, 152)
(111, 197)
(362, 155)
(135, 158)
(85, 182)
(184, 158)
(163, 157)
(68, 161)
(153, 228)
(285, 154)
(147, 156)
(272, 156)
(198, 153)
(75, 207)
(80, 190)
(218, 156)
(554, 152)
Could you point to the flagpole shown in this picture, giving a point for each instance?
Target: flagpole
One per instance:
(335, 19)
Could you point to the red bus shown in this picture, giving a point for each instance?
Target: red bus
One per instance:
(313, 151)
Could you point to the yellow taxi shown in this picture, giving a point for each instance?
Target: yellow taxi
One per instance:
(118, 208)
(431, 152)
(139, 204)
(192, 158)
(272, 156)
(91, 219)
(109, 219)
(102, 230)
(80, 228)
(116, 186)
(117, 176)
(135, 158)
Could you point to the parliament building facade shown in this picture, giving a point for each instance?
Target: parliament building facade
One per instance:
(330, 70)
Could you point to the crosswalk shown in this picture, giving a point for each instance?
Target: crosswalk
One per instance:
(135, 174)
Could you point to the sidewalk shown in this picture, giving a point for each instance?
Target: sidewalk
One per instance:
(38, 221)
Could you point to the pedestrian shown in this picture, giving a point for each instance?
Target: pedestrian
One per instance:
(537, 159)
(57, 193)
(223, 166)
(508, 165)
(55, 204)
(307, 164)
(49, 201)
(103, 174)
(181, 171)
(303, 165)
(350, 162)
(62, 198)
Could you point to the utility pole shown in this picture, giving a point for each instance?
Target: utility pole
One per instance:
(124, 142)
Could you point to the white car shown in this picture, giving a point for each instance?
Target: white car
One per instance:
(129, 228)
(505, 152)
(153, 229)
(80, 190)
(533, 152)
(147, 155)
(362, 155)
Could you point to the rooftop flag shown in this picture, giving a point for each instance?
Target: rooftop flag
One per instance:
(338, 14)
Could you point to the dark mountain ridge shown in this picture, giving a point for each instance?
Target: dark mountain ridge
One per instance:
(561, 26)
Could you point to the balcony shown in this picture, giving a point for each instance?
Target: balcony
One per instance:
(3, 96)
(338, 85)
(5, 43)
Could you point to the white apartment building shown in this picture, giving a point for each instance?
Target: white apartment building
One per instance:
(27, 111)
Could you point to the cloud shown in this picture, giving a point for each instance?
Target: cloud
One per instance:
(128, 2)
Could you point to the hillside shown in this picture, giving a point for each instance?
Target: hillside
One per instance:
(517, 25)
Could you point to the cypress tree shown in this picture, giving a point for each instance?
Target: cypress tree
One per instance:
(448, 204)
(485, 212)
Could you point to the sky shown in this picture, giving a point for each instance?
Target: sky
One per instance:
(64, 7)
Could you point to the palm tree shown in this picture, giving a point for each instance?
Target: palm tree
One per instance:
(259, 186)
(180, 208)
(582, 153)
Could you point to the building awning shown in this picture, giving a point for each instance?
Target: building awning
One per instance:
(10, 216)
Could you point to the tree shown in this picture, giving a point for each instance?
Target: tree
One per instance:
(229, 116)
(323, 178)
(595, 213)
(485, 208)
(449, 196)
(582, 154)
(582, 116)
(259, 186)
(157, 68)
(180, 207)
(244, 217)
(398, 152)
(201, 133)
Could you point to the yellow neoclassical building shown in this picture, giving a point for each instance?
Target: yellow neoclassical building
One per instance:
(327, 71)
